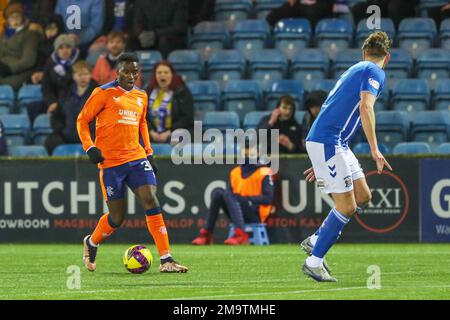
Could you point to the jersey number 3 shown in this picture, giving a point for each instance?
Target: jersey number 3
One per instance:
(147, 165)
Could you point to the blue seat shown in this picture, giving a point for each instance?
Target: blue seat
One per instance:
(383, 100)
(257, 231)
(267, 65)
(29, 93)
(221, 120)
(28, 151)
(187, 63)
(147, 59)
(364, 148)
(162, 149)
(206, 96)
(412, 148)
(252, 119)
(263, 7)
(363, 31)
(309, 65)
(69, 150)
(416, 34)
(250, 35)
(433, 64)
(345, 59)
(225, 65)
(325, 85)
(210, 35)
(411, 95)
(444, 34)
(424, 5)
(6, 96)
(280, 88)
(441, 100)
(334, 34)
(299, 115)
(242, 96)
(232, 10)
(400, 64)
(41, 128)
(431, 126)
(392, 127)
(292, 34)
(17, 128)
(443, 148)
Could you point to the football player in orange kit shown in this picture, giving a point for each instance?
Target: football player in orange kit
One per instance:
(120, 110)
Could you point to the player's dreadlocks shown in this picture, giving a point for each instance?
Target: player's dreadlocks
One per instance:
(377, 45)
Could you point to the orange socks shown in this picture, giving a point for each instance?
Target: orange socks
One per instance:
(103, 230)
(157, 228)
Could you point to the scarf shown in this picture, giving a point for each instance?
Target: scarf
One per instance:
(62, 66)
(10, 32)
(161, 112)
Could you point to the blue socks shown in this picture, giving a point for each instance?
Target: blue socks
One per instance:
(329, 232)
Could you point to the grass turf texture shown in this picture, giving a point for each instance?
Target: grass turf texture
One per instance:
(408, 271)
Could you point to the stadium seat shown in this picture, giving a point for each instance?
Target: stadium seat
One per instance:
(345, 59)
(257, 231)
(334, 35)
(441, 100)
(187, 63)
(416, 34)
(225, 65)
(232, 10)
(221, 120)
(392, 127)
(210, 35)
(424, 5)
(29, 93)
(66, 150)
(325, 85)
(250, 35)
(279, 88)
(383, 100)
(444, 34)
(412, 148)
(443, 148)
(411, 95)
(400, 65)
(41, 128)
(6, 97)
(263, 7)
(363, 31)
(291, 35)
(267, 65)
(206, 96)
(162, 149)
(309, 65)
(17, 128)
(364, 148)
(431, 126)
(242, 96)
(28, 151)
(147, 59)
(252, 119)
(433, 64)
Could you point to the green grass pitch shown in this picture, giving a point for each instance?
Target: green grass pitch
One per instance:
(408, 271)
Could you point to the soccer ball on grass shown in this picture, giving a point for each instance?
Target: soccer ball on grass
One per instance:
(137, 259)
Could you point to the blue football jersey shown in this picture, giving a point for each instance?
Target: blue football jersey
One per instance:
(339, 117)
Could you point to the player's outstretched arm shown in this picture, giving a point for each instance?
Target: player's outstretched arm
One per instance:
(368, 122)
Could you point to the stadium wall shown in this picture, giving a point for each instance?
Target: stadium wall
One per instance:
(59, 201)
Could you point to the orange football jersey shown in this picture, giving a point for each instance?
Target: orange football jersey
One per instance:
(120, 116)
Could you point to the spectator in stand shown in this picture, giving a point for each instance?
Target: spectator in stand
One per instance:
(105, 67)
(38, 12)
(313, 10)
(160, 25)
(283, 119)
(170, 104)
(57, 76)
(439, 13)
(394, 9)
(18, 48)
(313, 104)
(64, 119)
(200, 10)
(92, 17)
(52, 29)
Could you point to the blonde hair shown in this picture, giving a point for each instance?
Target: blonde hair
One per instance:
(377, 44)
(80, 65)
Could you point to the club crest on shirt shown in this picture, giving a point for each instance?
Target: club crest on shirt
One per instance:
(139, 102)
(348, 181)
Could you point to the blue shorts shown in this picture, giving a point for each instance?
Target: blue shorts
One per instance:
(133, 174)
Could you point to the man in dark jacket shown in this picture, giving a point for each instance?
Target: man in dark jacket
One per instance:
(283, 119)
(313, 104)
(160, 25)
